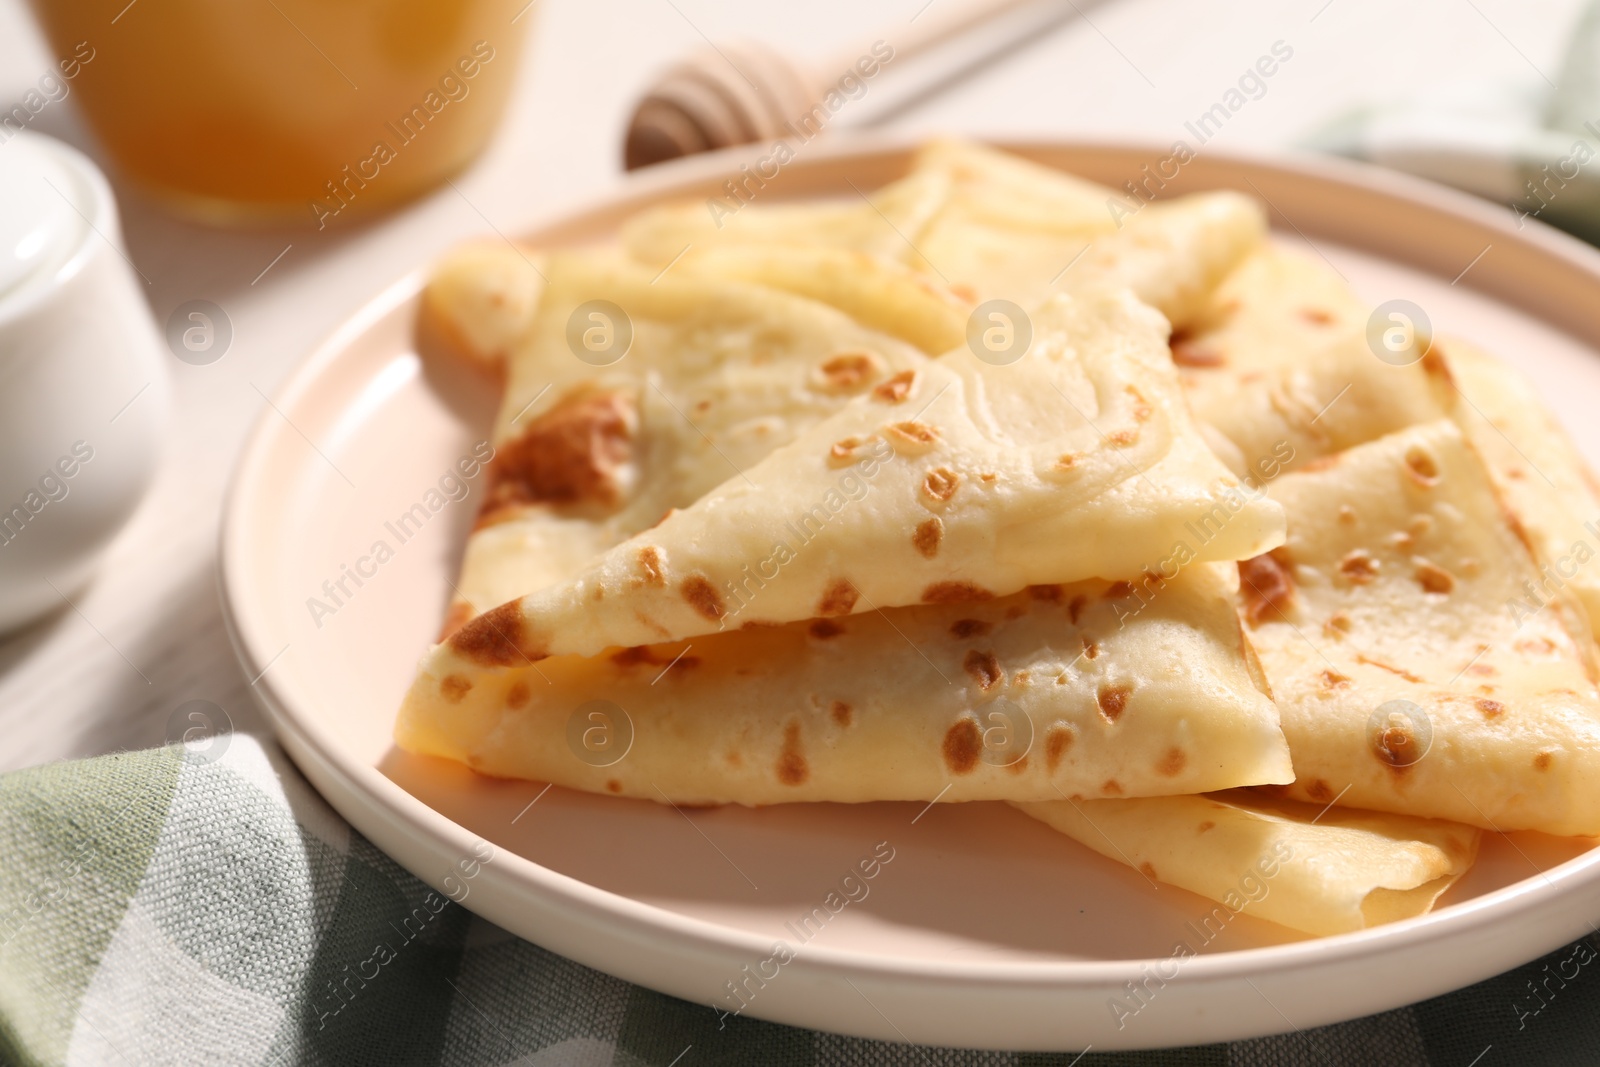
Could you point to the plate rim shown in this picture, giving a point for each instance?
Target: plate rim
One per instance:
(344, 781)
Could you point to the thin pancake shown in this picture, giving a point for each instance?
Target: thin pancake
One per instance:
(1303, 866)
(1052, 692)
(975, 477)
(1410, 675)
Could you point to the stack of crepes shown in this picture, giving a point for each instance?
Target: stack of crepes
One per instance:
(1171, 561)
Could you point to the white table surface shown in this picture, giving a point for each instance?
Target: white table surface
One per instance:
(147, 636)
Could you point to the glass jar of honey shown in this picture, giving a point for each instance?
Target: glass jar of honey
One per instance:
(276, 110)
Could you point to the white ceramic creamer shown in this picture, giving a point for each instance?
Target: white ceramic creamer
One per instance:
(84, 395)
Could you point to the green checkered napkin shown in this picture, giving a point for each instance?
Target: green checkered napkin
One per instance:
(204, 906)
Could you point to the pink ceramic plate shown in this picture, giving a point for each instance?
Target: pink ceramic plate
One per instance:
(986, 928)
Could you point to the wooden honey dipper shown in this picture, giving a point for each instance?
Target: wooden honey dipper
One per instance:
(741, 93)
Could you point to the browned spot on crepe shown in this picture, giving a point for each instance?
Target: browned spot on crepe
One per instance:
(495, 639)
(1113, 700)
(1124, 437)
(1118, 590)
(1111, 787)
(1173, 763)
(841, 712)
(963, 628)
(1421, 467)
(954, 593)
(1316, 316)
(941, 483)
(1141, 407)
(983, 667)
(1149, 871)
(517, 695)
(962, 745)
(652, 566)
(1075, 609)
(702, 597)
(914, 433)
(613, 785)
(844, 450)
(1090, 649)
(1051, 593)
(1541, 762)
(574, 453)
(453, 687)
(1186, 353)
(1490, 708)
(1266, 586)
(1434, 578)
(927, 536)
(1359, 567)
(848, 371)
(1207, 825)
(838, 599)
(897, 388)
(1319, 790)
(634, 656)
(792, 768)
(822, 629)
(1396, 746)
(1362, 657)
(1056, 743)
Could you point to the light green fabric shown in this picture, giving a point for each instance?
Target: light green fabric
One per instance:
(204, 906)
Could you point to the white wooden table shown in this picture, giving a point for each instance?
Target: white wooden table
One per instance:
(147, 636)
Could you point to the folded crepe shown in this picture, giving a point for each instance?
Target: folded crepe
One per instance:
(992, 226)
(1411, 670)
(1054, 691)
(1014, 230)
(954, 193)
(1278, 362)
(719, 372)
(879, 222)
(1542, 480)
(1318, 870)
(480, 300)
(976, 480)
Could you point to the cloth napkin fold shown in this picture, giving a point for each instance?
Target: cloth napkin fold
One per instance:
(1532, 145)
(201, 905)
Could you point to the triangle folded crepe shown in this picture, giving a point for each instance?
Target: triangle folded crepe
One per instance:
(1543, 482)
(876, 222)
(719, 373)
(1012, 229)
(959, 189)
(1411, 670)
(480, 300)
(1049, 693)
(1302, 866)
(1278, 363)
(993, 226)
(958, 480)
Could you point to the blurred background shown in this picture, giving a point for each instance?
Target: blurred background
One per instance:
(147, 635)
